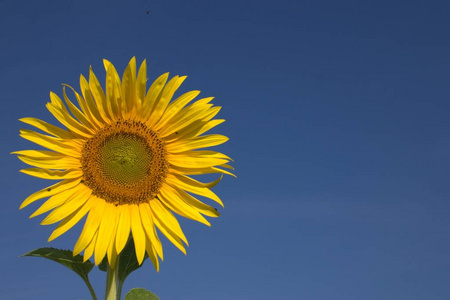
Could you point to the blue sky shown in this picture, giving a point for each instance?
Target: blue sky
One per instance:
(338, 118)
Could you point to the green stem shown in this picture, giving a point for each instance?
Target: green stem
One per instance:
(111, 282)
(91, 289)
(119, 290)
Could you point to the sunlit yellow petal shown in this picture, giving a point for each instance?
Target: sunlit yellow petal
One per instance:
(162, 213)
(141, 84)
(71, 205)
(200, 171)
(44, 154)
(82, 118)
(90, 247)
(90, 103)
(138, 233)
(129, 85)
(208, 126)
(99, 96)
(197, 143)
(123, 227)
(185, 161)
(193, 130)
(152, 95)
(165, 97)
(168, 229)
(48, 128)
(113, 92)
(56, 201)
(195, 203)
(193, 186)
(69, 148)
(111, 252)
(84, 105)
(149, 227)
(65, 162)
(50, 191)
(91, 225)
(105, 231)
(59, 111)
(152, 253)
(53, 174)
(70, 220)
(171, 200)
(175, 107)
(193, 114)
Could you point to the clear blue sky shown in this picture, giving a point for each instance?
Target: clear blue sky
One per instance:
(338, 118)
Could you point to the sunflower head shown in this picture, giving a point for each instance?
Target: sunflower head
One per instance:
(125, 163)
(124, 158)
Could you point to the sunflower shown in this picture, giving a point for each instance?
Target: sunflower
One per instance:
(124, 160)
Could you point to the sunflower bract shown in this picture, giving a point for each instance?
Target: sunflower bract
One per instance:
(123, 160)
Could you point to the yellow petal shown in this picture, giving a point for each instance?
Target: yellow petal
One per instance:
(161, 212)
(58, 200)
(70, 221)
(83, 105)
(99, 96)
(196, 143)
(149, 227)
(59, 111)
(50, 191)
(123, 227)
(203, 154)
(172, 201)
(193, 186)
(105, 231)
(152, 95)
(129, 85)
(168, 230)
(188, 116)
(48, 128)
(91, 105)
(62, 146)
(200, 171)
(152, 253)
(164, 98)
(193, 130)
(141, 85)
(111, 252)
(84, 119)
(90, 247)
(65, 162)
(195, 203)
(40, 154)
(91, 225)
(208, 126)
(53, 174)
(71, 205)
(138, 233)
(55, 201)
(175, 107)
(113, 91)
(185, 161)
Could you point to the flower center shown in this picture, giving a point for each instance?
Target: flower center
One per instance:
(124, 163)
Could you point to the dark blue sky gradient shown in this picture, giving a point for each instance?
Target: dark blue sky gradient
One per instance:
(338, 118)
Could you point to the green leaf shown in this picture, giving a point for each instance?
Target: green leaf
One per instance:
(66, 258)
(140, 294)
(128, 261)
